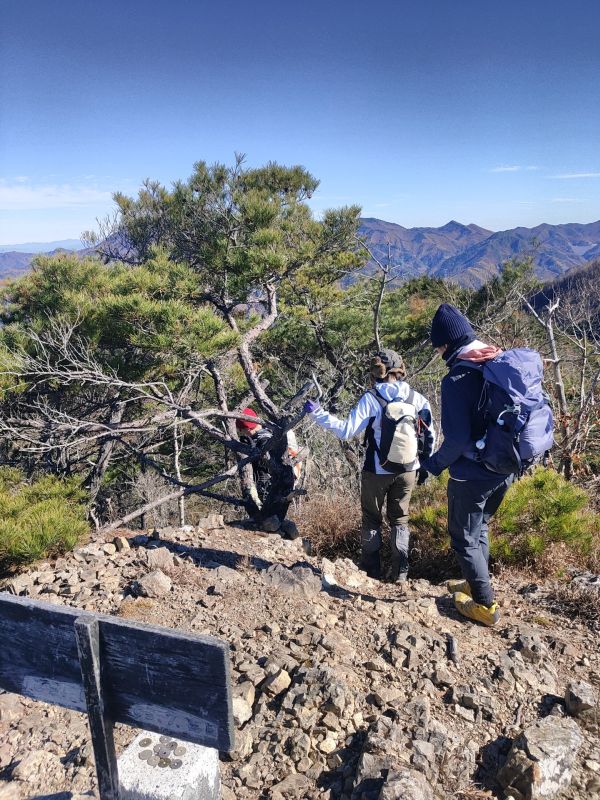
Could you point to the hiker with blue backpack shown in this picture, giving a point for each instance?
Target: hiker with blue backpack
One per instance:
(397, 425)
(496, 421)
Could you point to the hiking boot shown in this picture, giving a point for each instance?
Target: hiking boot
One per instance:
(271, 524)
(487, 615)
(289, 530)
(459, 585)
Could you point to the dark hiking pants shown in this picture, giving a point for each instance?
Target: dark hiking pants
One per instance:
(471, 505)
(394, 491)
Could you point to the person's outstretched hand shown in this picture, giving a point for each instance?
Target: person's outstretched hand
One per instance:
(422, 476)
(311, 405)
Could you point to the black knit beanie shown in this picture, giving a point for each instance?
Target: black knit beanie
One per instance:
(449, 325)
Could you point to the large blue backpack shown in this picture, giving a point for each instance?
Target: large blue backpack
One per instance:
(519, 426)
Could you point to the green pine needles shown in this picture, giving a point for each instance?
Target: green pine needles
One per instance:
(540, 510)
(40, 519)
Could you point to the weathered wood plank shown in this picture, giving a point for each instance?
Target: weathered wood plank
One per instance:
(38, 656)
(101, 729)
(155, 678)
(174, 683)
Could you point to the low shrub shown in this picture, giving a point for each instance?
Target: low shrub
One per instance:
(544, 522)
(40, 519)
(540, 511)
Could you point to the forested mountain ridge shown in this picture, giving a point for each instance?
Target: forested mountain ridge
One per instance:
(470, 255)
(466, 254)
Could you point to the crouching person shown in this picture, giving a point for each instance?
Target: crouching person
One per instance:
(474, 492)
(274, 477)
(394, 419)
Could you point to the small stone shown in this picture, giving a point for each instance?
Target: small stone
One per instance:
(294, 786)
(277, 683)
(121, 543)
(159, 558)
(155, 584)
(243, 745)
(328, 745)
(11, 707)
(210, 523)
(442, 677)
(19, 585)
(465, 713)
(406, 784)
(580, 698)
(242, 711)
(300, 581)
(246, 691)
(425, 749)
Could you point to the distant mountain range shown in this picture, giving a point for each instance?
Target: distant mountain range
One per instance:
(466, 254)
(42, 247)
(470, 255)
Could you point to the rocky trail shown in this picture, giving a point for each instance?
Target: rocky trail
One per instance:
(344, 687)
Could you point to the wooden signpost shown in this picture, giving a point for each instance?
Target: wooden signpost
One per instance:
(162, 680)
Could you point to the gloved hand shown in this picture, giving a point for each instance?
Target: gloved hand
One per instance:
(252, 499)
(311, 405)
(422, 476)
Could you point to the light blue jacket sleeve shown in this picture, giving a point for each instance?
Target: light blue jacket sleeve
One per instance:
(357, 421)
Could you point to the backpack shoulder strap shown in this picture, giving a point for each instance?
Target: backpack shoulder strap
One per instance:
(379, 397)
(369, 437)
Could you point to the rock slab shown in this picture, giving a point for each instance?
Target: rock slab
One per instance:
(540, 762)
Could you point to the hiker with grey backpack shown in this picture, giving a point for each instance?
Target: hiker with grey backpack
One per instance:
(496, 422)
(397, 426)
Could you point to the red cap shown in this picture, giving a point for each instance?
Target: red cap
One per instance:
(245, 424)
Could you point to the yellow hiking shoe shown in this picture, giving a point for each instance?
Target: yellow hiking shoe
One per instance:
(459, 585)
(466, 606)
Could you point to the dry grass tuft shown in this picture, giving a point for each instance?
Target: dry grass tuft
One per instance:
(332, 523)
(575, 602)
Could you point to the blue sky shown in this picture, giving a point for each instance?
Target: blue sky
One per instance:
(423, 112)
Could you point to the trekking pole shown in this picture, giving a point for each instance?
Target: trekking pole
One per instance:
(317, 386)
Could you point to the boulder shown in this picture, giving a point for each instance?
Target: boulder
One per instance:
(540, 761)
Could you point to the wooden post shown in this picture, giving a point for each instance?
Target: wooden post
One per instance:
(101, 726)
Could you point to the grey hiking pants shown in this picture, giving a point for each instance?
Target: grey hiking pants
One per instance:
(471, 505)
(394, 491)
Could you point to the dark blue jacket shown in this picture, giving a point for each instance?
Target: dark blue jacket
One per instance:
(462, 424)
